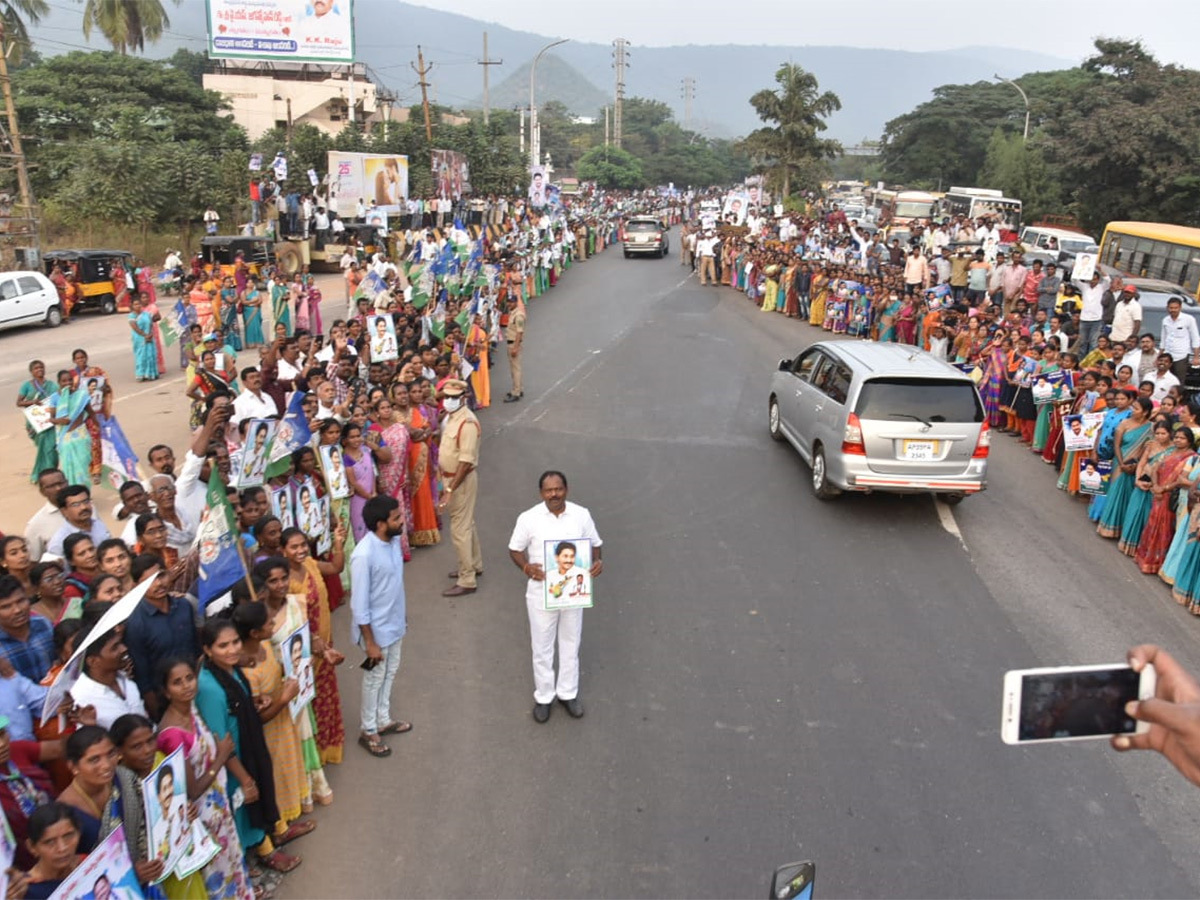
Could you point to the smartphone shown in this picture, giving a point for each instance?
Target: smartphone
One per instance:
(1072, 703)
(368, 664)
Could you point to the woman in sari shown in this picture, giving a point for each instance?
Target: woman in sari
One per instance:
(1176, 553)
(791, 290)
(252, 302)
(995, 376)
(1090, 399)
(145, 355)
(33, 392)
(228, 313)
(280, 297)
(1128, 444)
(312, 300)
(296, 295)
(1137, 509)
(393, 475)
(1169, 474)
(289, 613)
(81, 375)
(424, 523)
(889, 309)
(820, 291)
(906, 321)
(206, 381)
(150, 306)
(1045, 411)
(477, 356)
(305, 578)
(770, 287)
(361, 473)
(69, 411)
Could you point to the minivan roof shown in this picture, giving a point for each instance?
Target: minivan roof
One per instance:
(1063, 234)
(873, 359)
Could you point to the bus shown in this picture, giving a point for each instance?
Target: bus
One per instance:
(978, 203)
(1154, 250)
(908, 206)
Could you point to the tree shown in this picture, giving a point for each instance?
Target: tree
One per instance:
(798, 112)
(1020, 169)
(126, 24)
(13, 15)
(191, 63)
(611, 167)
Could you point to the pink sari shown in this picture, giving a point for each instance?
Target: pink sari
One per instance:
(393, 476)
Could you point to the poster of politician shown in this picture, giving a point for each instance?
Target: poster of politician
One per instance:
(107, 872)
(537, 186)
(451, 175)
(296, 653)
(568, 566)
(164, 796)
(287, 30)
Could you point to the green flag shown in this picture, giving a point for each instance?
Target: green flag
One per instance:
(420, 299)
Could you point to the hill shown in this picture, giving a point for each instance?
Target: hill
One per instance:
(874, 85)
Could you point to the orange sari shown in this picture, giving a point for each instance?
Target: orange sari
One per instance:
(424, 525)
(481, 379)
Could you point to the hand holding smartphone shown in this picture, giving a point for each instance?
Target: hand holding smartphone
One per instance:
(1073, 703)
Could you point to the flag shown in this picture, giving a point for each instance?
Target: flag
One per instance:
(420, 299)
(217, 542)
(291, 434)
(118, 462)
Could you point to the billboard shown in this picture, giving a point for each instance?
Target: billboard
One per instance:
(451, 174)
(287, 30)
(377, 178)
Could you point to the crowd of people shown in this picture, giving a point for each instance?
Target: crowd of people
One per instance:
(337, 455)
(1056, 359)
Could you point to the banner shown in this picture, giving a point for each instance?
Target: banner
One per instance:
(118, 462)
(1094, 476)
(381, 178)
(1080, 430)
(217, 539)
(451, 175)
(107, 872)
(288, 30)
(296, 653)
(568, 582)
(164, 797)
(291, 434)
(537, 186)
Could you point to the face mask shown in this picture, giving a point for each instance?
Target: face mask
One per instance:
(452, 403)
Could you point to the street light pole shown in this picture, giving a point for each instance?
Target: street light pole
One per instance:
(1024, 97)
(535, 143)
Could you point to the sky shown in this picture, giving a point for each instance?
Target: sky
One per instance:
(1062, 28)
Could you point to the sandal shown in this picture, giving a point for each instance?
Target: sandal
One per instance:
(279, 861)
(373, 745)
(396, 728)
(295, 830)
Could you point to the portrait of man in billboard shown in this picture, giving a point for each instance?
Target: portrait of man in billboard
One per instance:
(537, 186)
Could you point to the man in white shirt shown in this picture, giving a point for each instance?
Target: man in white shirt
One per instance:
(1141, 360)
(75, 503)
(49, 519)
(252, 403)
(360, 210)
(1180, 338)
(208, 448)
(1127, 315)
(552, 520)
(706, 250)
(1164, 379)
(1091, 312)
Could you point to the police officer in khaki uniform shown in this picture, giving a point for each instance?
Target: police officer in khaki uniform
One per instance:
(514, 334)
(458, 459)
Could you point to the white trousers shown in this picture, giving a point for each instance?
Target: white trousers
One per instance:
(544, 627)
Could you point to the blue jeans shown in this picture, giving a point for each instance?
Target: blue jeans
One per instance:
(377, 690)
(1089, 334)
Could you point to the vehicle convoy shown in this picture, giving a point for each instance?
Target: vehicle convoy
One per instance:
(883, 417)
(93, 273)
(28, 298)
(980, 203)
(906, 207)
(645, 235)
(1154, 250)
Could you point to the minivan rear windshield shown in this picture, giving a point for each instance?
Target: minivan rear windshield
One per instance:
(919, 399)
(641, 226)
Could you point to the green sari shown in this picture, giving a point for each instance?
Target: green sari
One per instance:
(1041, 430)
(44, 441)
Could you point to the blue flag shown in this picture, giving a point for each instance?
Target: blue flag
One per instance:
(118, 461)
(217, 538)
(291, 434)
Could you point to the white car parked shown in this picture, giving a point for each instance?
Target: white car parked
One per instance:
(27, 298)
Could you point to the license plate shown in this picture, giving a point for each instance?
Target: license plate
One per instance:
(920, 450)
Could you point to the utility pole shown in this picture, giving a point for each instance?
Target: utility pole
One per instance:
(688, 94)
(620, 50)
(606, 126)
(486, 63)
(522, 111)
(28, 228)
(384, 98)
(422, 70)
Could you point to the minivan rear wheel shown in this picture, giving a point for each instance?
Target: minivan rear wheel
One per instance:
(773, 420)
(820, 477)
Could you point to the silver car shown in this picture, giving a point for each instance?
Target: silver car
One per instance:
(868, 417)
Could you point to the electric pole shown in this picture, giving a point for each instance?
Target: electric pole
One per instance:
(620, 51)
(606, 126)
(422, 70)
(688, 94)
(28, 219)
(486, 63)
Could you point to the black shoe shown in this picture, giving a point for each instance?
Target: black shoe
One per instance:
(574, 707)
(511, 398)
(541, 713)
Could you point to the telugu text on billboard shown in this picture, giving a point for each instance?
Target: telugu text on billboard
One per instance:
(299, 30)
(379, 180)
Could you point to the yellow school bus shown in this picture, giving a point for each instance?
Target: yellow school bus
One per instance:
(1154, 250)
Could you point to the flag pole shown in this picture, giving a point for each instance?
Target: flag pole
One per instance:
(241, 550)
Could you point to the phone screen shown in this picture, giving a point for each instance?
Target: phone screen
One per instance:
(1077, 704)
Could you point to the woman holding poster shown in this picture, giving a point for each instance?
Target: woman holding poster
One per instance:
(1160, 523)
(35, 392)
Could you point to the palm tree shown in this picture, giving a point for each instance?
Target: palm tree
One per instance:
(799, 113)
(13, 16)
(126, 24)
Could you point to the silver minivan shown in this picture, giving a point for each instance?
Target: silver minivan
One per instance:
(888, 417)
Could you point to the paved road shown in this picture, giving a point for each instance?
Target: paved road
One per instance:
(766, 677)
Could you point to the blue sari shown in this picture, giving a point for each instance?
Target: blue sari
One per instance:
(1137, 509)
(253, 318)
(1121, 487)
(145, 353)
(73, 440)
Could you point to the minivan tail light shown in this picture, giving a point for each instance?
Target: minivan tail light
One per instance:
(852, 440)
(984, 444)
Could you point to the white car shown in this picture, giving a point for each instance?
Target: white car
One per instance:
(27, 298)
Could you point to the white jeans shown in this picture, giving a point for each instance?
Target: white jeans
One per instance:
(377, 690)
(544, 627)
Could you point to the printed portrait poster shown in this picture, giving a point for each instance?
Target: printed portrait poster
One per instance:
(164, 796)
(306, 508)
(296, 655)
(568, 583)
(386, 180)
(1080, 431)
(334, 468)
(281, 507)
(95, 391)
(107, 872)
(200, 850)
(255, 162)
(252, 466)
(1094, 476)
(1052, 387)
(38, 417)
(378, 219)
(382, 331)
(734, 208)
(325, 538)
(537, 186)
(1085, 266)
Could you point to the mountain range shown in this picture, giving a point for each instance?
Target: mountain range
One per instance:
(874, 85)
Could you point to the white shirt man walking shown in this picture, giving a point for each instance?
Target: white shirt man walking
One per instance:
(1181, 338)
(379, 617)
(554, 519)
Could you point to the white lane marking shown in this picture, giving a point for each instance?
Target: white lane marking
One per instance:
(945, 514)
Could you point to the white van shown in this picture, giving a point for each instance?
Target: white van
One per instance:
(27, 298)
